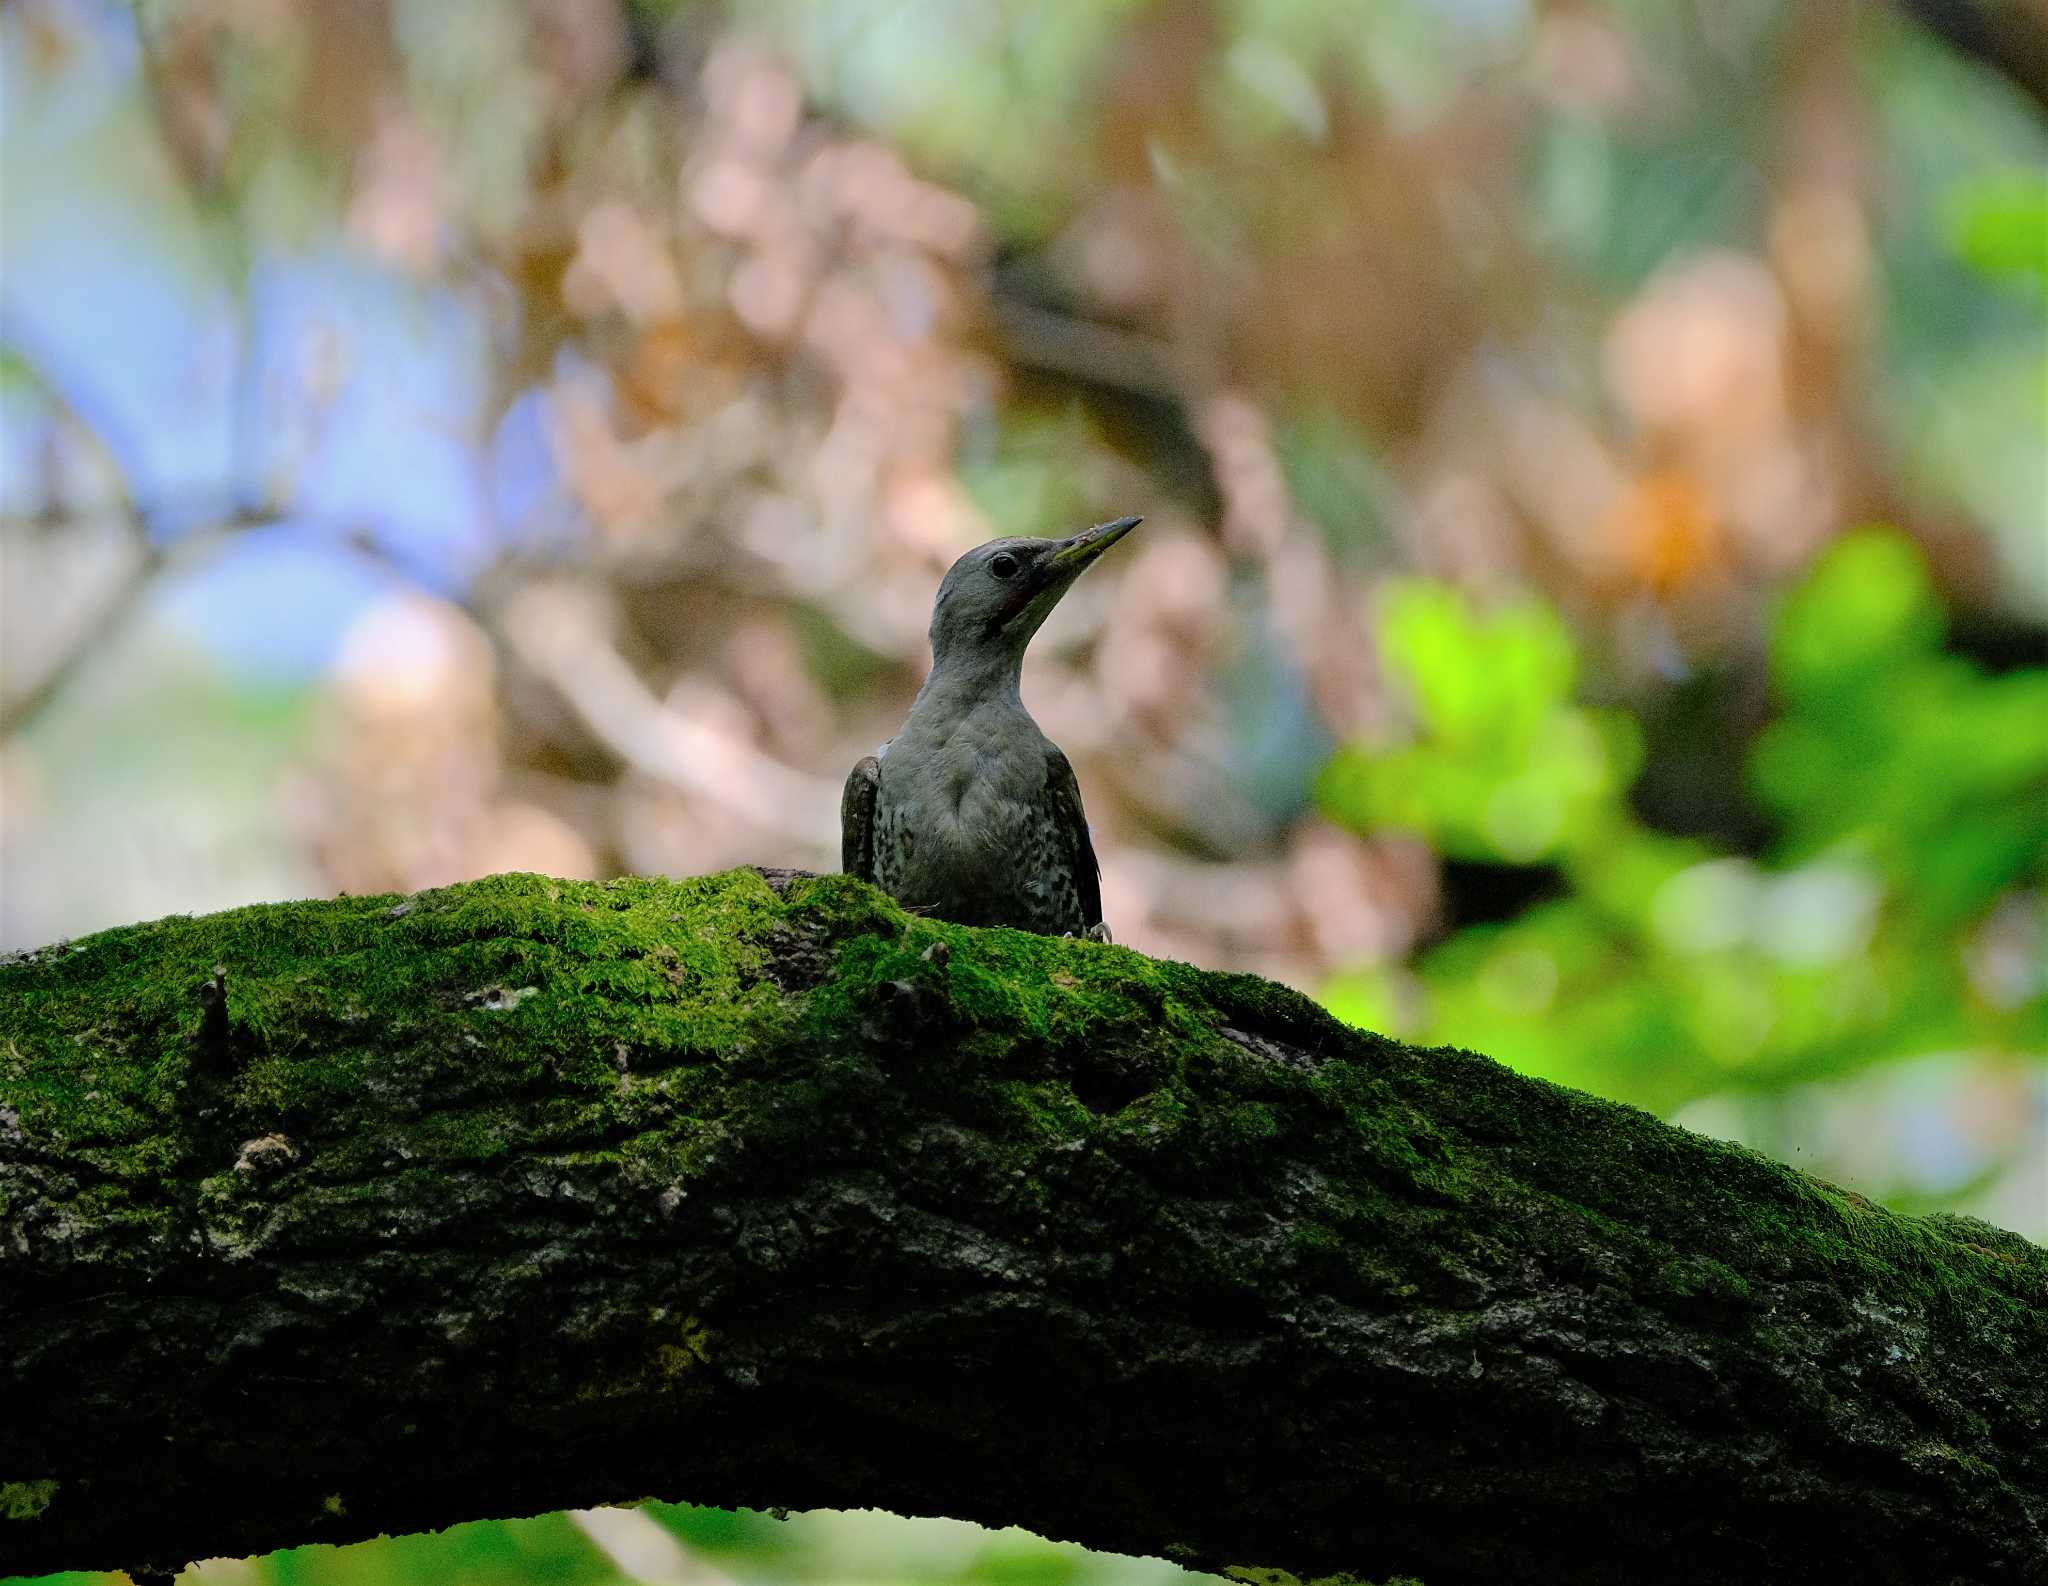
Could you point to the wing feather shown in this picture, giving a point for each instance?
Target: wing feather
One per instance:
(857, 819)
(1064, 795)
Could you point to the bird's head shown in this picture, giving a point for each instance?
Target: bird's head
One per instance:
(994, 598)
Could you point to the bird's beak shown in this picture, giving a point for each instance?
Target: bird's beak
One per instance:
(1052, 576)
(1083, 548)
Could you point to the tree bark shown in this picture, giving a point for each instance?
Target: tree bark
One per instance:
(320, 1220)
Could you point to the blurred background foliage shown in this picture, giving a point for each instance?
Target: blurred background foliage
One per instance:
(682, 1545)
(1593, 604)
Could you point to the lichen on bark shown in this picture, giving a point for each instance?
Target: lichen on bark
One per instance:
(756, 1189)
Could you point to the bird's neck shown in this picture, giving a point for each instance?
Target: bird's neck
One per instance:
(962, 685)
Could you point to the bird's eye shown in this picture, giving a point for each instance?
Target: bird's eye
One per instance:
(1003, 565)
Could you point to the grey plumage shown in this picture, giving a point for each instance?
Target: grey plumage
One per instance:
(970, 813)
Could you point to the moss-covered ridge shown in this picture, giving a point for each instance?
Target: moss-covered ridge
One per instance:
(364, 1022)
(354, 1020)
(669, 1116)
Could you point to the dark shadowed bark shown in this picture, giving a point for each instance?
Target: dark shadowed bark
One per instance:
(327, 1219)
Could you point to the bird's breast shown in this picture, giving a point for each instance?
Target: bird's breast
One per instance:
(951, 813)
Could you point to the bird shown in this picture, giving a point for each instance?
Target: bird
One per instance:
(970, 813)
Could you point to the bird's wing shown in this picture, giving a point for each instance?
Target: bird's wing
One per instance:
(1063, 793)
(857, 819)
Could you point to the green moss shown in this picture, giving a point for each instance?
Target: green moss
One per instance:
(647, 1028)
(1048, 1111)
(24, 1500)
(690, 1350)
(456, 1004)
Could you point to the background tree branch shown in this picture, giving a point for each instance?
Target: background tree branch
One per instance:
(2008, 36)
(324, 1219)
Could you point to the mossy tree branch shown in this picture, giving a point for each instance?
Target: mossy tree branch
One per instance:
(326, 1219)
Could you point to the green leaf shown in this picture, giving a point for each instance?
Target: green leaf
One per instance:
(1867, 601)
(1998, 225)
